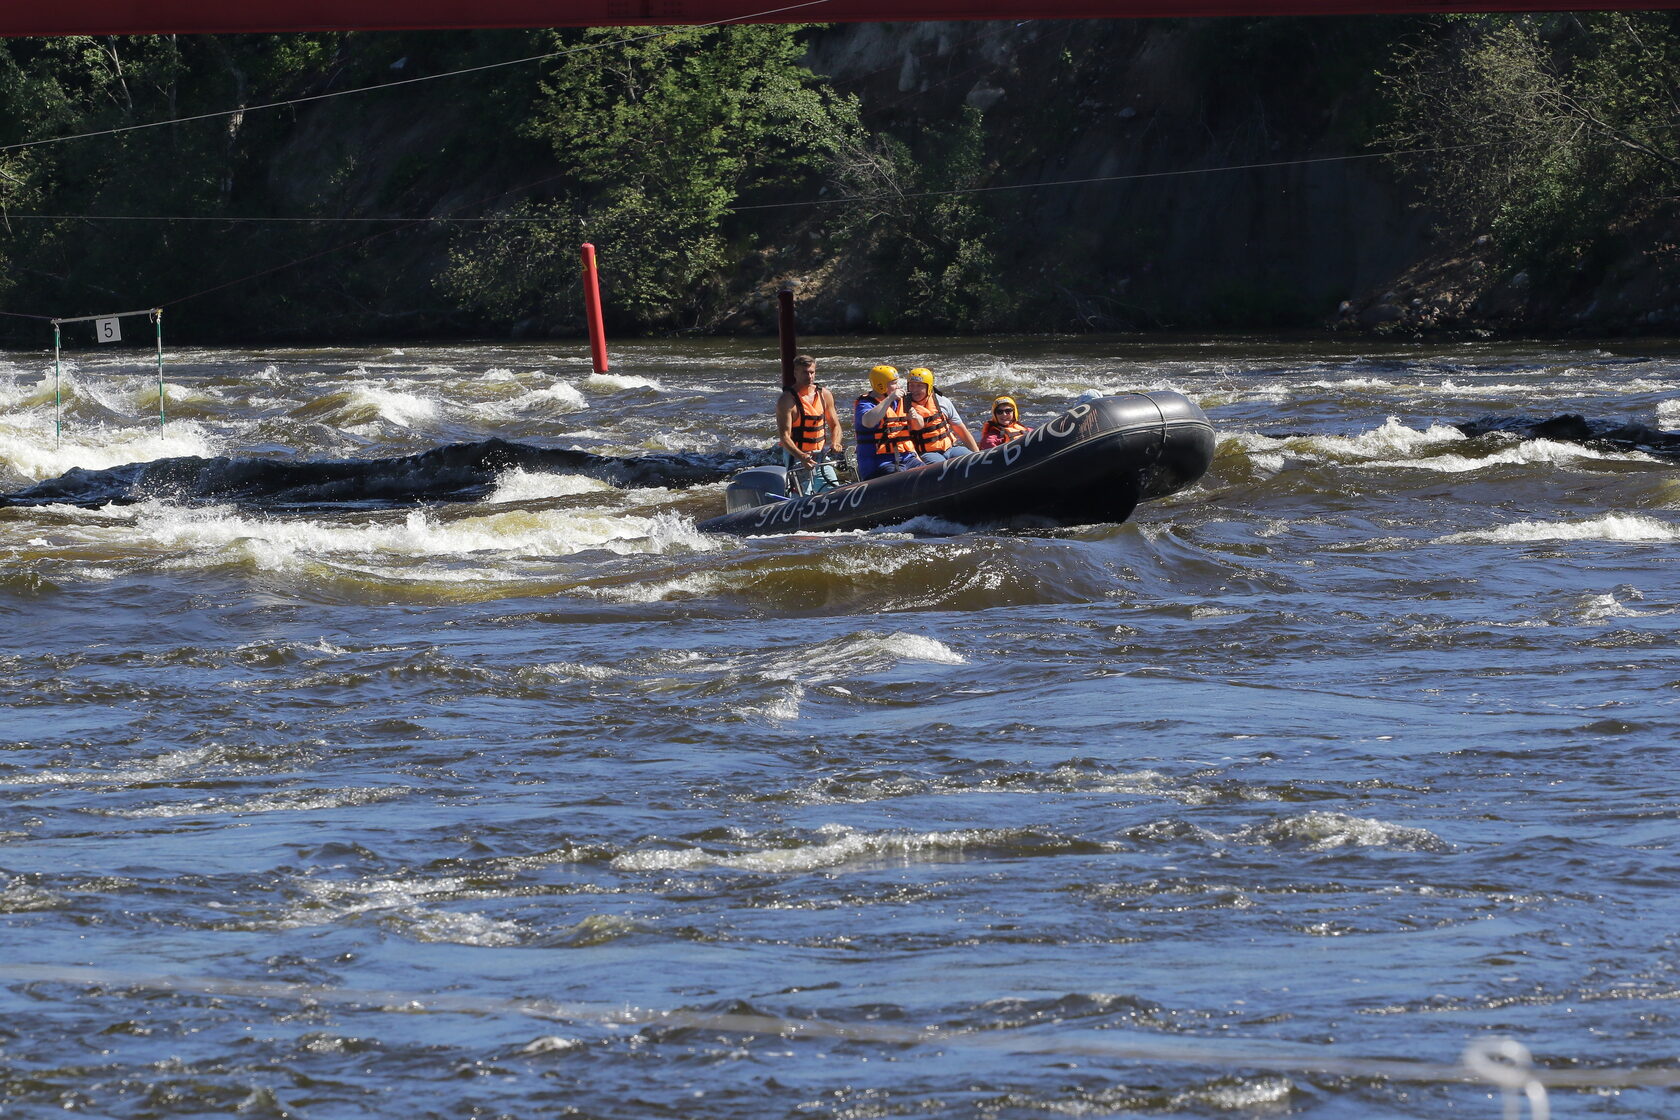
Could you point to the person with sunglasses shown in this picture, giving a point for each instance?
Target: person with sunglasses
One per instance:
(1003, 426)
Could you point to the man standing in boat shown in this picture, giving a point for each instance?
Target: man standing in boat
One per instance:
(884, 442)
(939, 432)
(809, 427)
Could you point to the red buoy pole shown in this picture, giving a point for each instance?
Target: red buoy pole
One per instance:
(592, 309)
(790, 344)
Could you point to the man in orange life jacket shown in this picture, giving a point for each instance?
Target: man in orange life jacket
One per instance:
(884, 442)
(808, 426)
(939, 432)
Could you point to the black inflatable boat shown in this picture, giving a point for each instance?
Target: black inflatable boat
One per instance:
(1093, 463)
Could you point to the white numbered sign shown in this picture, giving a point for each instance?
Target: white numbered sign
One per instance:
(107, 330)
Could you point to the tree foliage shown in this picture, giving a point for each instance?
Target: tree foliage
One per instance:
(660, 138)
(1549, 132)
(708, 163)
(920, 224)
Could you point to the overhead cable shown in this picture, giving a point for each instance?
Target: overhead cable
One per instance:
(660, 34)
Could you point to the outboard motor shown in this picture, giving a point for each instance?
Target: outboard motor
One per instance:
(756, 487)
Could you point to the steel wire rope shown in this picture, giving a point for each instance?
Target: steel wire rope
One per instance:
(400, 222)
(406, 223)
(836, 201)
(522, 220)
(660, 34)
(281, 267)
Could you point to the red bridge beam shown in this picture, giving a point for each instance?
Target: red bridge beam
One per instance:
(144, 17)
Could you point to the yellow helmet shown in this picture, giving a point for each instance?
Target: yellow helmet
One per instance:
(1010, 401)
(882, 377)
(924, 375)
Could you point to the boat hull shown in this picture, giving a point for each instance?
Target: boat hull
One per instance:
(1093, 463)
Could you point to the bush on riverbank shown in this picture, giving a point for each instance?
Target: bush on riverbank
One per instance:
(1194, 164)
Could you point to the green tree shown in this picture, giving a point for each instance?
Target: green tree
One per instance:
(1550, 132)
(925, 232)
(661, 138)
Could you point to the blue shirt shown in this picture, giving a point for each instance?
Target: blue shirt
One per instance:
(869, 463)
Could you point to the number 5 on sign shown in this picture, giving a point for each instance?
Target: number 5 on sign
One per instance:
(107, 329)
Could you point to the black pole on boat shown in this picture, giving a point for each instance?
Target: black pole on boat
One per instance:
(790, 343)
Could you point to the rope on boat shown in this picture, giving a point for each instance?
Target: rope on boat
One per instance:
(1500, 1063)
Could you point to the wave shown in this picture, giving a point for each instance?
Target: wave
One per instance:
(285, 801)
(1609, 527)
(1571, 427)
(458, 472)
(1322, 831)
(30, 451)
(617, 382)
(366, 404)
(383, 550)
(837, 847)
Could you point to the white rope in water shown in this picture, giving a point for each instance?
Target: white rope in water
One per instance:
(1507, 1063)
(1502, 1063)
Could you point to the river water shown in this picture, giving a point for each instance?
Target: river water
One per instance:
(1266, 803)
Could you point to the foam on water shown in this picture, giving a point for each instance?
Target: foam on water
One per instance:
(783, 709)
(1321, 831)
(618, 382)
(1624, 527)
(1351, 383)
(1040, 391)
(137, 772)
(1527, 453)
(836, 847)
(499, 546)
(370, 404)
(1482, 389)
(926, 526)
(211, 536)
(1263, 1093)
(694, 585)
(19, 897)
(398, 904)
(559, 397)
(28, 451)
(526, 486)
(870, 651)
(836, 659)
(571, 669)
(286, 801)
(1602, 608)
(1026, 782)
(1383, 442)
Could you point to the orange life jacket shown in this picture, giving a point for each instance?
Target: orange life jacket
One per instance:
(893, 437)
(809, 429)
(936, 434)
(1012, 430)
